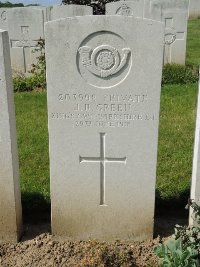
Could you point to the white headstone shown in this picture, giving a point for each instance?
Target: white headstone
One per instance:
(165, 4)
(175, 16)
(194, 10)
(10, 198)
(65, 11)
(25, 27)
(195, 188)
(103, 103)
(46, 10)
(127, 8)
(3, 18)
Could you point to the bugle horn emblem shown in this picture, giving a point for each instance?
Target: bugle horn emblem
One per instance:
(104, 60)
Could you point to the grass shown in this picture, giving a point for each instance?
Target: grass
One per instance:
(31, 114)
(176, 137)
(193, 43)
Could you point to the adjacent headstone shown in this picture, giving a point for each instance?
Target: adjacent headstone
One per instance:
(195, 188)
(26, 27)
(175, 16)
(3, 18)
(10, 198)
(126, 8)
(65, 11)
(171, 4)
(103, 107)
(194, 10)
(46, 10)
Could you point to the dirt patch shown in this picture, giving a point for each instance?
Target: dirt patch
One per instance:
(44, 251)
(39, 249)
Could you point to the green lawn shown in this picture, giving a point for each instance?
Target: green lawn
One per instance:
(31, 114)
(193, 42)
(176, 137)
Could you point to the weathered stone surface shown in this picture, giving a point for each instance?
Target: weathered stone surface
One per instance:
(165, 4)
(103, 107)
(46, 11)
(3, 19)
(194, 10)
(195, 188)
(175, 16)
(127, 8)
(25, 27)
(10, 198)
(59, 12)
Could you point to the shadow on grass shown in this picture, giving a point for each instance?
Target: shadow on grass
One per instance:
(36, 209)
(172, 206)
(169, 212)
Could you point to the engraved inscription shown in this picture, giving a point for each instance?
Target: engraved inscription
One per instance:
(107, 111)
(124, 10)
(3, 16)
(102, 159)
(104, 60)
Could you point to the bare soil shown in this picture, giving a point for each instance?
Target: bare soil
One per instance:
(38, 248)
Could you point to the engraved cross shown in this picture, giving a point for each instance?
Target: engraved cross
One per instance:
(102, 160)
(25, 42)
(171, 35)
